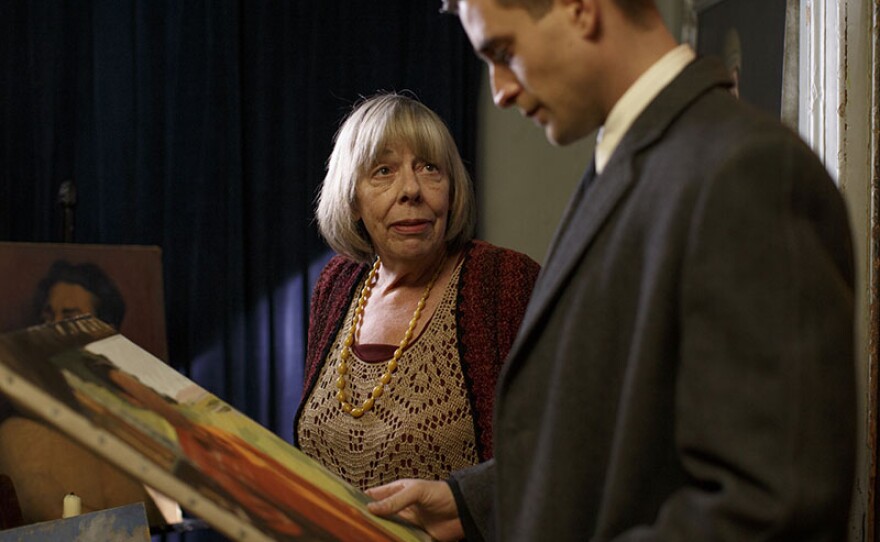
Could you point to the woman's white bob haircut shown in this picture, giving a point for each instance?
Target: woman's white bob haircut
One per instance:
(372, 126)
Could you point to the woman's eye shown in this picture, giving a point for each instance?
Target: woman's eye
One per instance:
(429, 167)
(382, 171)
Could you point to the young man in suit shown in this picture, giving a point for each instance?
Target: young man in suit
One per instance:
(685, 369)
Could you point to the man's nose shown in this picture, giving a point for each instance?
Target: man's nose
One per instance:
(505, 86)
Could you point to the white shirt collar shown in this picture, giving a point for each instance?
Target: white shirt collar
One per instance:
(636, 98)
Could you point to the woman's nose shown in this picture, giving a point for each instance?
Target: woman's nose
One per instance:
(411, 189)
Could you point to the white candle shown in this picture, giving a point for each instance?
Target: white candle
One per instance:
(72, 506)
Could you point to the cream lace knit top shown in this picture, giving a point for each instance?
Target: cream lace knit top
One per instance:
(421, 427)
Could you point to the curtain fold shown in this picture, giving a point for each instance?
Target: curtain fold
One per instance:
(203, 127)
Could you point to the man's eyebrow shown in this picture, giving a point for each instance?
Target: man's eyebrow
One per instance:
(488, 47)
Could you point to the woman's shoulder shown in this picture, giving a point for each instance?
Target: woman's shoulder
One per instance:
(340, 264)
(482, 252)
(340, 271)
(490, 266)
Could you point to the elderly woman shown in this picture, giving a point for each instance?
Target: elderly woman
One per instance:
(411, 322)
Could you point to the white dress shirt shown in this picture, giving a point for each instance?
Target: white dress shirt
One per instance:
(636, 99)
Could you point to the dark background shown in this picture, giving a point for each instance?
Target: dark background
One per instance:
(203, 127)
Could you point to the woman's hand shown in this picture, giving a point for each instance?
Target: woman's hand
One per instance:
(430, 505)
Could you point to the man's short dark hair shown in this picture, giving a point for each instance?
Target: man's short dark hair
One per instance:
(537, 8)
(109, 305)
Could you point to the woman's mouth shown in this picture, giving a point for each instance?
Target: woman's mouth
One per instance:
(411, 227)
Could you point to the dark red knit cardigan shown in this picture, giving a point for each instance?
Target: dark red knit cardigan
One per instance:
(493, 290)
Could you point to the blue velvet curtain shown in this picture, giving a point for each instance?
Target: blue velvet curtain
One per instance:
(203, 127)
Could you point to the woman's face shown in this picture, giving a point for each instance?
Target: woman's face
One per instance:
(403, 201)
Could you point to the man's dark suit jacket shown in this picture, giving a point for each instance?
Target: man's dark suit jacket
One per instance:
(685, 368)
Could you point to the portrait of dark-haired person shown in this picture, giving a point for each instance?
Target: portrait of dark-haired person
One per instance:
(70, 290)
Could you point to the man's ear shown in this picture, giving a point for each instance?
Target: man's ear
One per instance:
(585, 15)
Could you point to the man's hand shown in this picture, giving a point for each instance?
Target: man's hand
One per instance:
(430, 505)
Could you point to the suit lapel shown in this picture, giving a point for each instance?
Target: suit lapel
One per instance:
(571, 209)
(586, 215)
(589, 210)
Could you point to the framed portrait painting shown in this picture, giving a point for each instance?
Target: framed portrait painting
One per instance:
(122, 285)
(750, 38)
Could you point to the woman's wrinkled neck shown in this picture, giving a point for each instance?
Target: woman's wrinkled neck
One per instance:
(396, 274)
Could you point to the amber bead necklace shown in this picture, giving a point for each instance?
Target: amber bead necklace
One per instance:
(391, 366)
